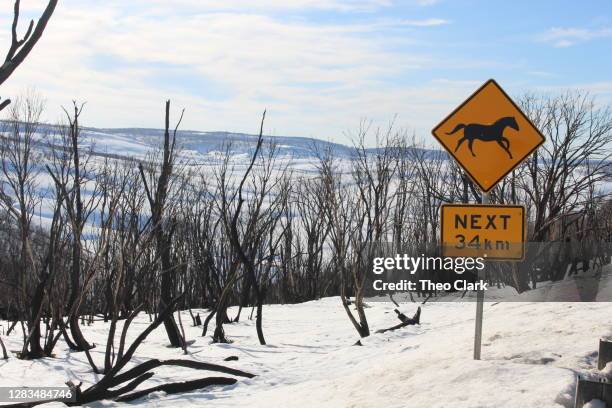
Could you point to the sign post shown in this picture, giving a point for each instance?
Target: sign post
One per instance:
(479, 303)
(488, 135)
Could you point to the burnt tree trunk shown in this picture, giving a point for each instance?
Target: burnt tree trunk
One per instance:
(163, 235)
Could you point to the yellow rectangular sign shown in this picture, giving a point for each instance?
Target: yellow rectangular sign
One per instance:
(495, 232)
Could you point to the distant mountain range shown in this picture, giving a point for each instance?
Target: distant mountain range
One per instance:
(137, 142)
(205, 143)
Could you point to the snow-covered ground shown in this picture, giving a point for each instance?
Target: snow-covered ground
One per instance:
(532, 353)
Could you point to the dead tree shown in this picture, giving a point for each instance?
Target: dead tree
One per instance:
(287, 290)
(204, 226)
(262, 232)
(118, 384)
(113, 182)
(17, 53)
(134, 249)
(157, 194)
(20, 49)
(227, 268)
(71, 170)
(574, 157)
(402, 227)
(341, 215)
(372, 174)
(558, 180)
(55, 264)
(310, 203)
(239, 244)
(18, 196)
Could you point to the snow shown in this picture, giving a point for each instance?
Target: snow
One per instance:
(531, 355)
(595, 404)
(608, 369)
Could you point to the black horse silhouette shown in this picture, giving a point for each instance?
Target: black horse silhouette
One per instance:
(486, 133)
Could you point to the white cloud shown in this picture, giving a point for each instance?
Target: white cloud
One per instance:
(267, 5)
(315, 79)
(428, 22)
(426, 2)
(566, 37)
(541, 74)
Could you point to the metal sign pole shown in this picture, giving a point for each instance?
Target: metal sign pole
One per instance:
(479, 303)
(494, 162)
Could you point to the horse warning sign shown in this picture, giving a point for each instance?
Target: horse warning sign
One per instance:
(491, 231)
(488, 135)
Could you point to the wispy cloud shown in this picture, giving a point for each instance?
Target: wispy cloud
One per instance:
(317, 65)
(541, 74)
(428, 22)
(426, 2)
(268, 5)
(566, 37)
(224, 66)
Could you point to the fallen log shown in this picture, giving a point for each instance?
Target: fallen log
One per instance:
(405, 321)
(120, 395)
(152, 364)
(105, 389)
(179, 387)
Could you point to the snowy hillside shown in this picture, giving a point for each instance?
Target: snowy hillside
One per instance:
(137, 142)
(532, 353)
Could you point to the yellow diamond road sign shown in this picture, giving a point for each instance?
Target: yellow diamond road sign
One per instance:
(488, 135)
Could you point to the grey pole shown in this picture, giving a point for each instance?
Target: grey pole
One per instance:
(479, 304)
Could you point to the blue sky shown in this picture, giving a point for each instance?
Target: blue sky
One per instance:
(318, 66)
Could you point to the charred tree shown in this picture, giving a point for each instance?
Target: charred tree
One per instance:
(20, 48)
(161, 230)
